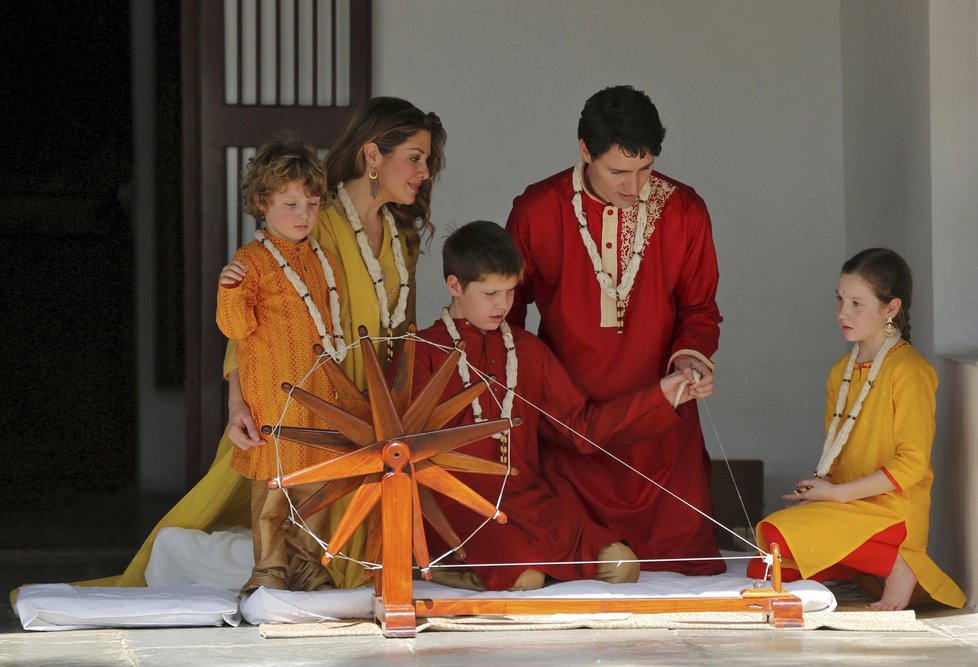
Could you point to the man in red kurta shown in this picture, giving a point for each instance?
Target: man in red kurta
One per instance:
(651, 238)
(542, 528)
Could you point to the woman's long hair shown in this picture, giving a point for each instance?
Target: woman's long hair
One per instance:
(389, 122)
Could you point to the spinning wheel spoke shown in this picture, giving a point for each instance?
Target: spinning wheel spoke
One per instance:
(425, 445)
(452, 406)
(362, 502)
(355, 429)
(348, 396)
(387, 423)
(446, 484)
(433, 513)
(457, 462)
(403, 381)
(420, 410)
(328, 494)
(361, 462)
(331, 441)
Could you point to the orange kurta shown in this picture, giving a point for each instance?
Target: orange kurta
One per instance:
(894, 433)
(275, 335)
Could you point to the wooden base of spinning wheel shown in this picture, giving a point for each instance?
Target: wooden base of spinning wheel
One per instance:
(393, 452)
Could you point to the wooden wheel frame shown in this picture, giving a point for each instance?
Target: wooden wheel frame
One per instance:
(394, 452)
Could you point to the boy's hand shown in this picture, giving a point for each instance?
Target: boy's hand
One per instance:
(241, 427)
(685, 361)
(233, 274)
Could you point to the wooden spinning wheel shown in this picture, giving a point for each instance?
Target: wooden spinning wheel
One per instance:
(394, 452)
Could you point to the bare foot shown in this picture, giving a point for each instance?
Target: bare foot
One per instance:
(897, 588)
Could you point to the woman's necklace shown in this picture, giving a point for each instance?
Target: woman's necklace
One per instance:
(388, 320)
(512, 368)
(338, 352)
(836, 438)
(624, 287)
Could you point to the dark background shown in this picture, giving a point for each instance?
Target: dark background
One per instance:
(67, 333)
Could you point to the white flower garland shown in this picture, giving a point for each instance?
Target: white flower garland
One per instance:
(388, 320)
(836, 438)
(621, 291)
(512, 369)
(337, 352)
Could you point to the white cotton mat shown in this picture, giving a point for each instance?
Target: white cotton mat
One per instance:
(64, 607)
(266, 606)
(194, 576)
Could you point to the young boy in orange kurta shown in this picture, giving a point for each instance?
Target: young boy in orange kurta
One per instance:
(277, 299)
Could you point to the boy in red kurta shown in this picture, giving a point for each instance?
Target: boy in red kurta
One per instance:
(482, 269)
(277, 298)
(621, 264)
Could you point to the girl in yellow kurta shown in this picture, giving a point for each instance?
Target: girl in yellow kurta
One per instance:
(374, 143)
(867, 509)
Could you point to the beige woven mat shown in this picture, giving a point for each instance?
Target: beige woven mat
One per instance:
(868, 621)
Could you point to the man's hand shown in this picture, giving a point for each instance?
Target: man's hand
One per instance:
(692, 388)
(706, 385)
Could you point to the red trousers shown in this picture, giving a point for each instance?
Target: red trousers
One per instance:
(875, 556)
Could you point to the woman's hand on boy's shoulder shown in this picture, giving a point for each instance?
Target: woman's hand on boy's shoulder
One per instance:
(232, 274)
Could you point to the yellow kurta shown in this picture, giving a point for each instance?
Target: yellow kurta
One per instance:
(894, 432)
(275, 333)
(222, 496)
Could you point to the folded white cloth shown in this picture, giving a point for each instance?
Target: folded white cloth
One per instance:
(64, 607)
(187, 557)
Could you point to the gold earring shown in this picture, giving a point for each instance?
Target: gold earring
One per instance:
(889, 329)
(372, 175)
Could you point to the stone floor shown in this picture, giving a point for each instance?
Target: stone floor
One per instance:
(244, 646)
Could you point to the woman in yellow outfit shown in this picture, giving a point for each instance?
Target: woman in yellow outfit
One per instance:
(379, 175)
(867, 509)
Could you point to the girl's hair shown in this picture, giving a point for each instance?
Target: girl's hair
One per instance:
(890, 278)
(389, 122)
(276, 164)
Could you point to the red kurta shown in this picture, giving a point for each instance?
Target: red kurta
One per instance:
(542, 527)
(671, 308)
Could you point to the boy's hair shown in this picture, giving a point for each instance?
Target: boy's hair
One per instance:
(889, 276)
(389, 122)
(276, 164)
(624, 116)
(478, 249)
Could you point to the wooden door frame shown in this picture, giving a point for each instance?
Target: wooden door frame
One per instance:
(209, 126)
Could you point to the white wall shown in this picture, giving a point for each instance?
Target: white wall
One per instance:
(751, 97)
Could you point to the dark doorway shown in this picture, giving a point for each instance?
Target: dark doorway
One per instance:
(67, 347)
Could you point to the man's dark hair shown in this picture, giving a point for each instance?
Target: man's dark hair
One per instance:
(624, 116)
(478, 249)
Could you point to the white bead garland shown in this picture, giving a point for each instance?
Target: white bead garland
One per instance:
(621, 291)
(337, 352)
(836, 438)
(388, 320)
(512, 368)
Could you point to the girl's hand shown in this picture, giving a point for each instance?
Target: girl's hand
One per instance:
(233, 274)
(810, 490)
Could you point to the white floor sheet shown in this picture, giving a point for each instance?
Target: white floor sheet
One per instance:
(193, 578)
